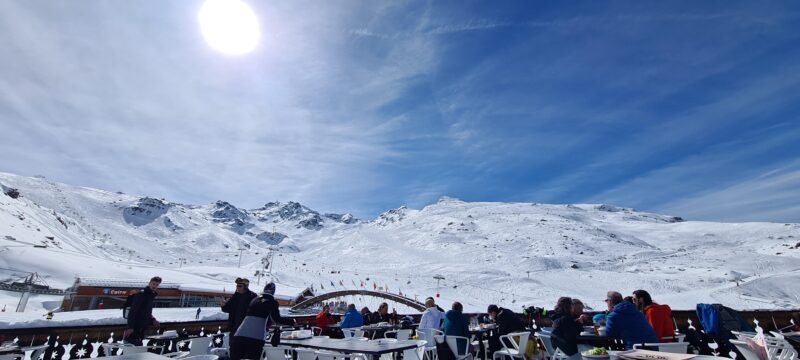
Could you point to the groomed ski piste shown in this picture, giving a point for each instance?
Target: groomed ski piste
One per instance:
(510, 254)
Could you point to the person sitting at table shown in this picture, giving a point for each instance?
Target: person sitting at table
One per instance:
(456, 324)
(324, 320)
(351, 318)
(383, 315)
(507, 322)
(432, 317)
(658, 315)
(366, 315)
(577, 313)
(565, 327)
(626, 322)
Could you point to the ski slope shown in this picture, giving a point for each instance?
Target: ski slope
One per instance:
(511, 254)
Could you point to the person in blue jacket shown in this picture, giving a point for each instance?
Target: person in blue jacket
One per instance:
(624, 321)
(352, 318)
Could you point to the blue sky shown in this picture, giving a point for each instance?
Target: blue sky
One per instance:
(683, 107)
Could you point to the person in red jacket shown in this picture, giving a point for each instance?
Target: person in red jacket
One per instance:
(324, 320)
(658, 315)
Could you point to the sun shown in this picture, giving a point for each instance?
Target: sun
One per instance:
(229, 26)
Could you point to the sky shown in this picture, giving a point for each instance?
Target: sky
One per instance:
(686, 108)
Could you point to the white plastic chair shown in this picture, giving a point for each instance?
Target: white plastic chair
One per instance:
(127, 350)
(197, 346)
(402, 334)
(202, 357)
(550, 352)
(387, 356)
(329, 355)
(430, 348)
(517, 350)
(224, 349)
(744, 335)
(275, 353)
(744, 350)
(305, 354)
(677, 338)
(674, 348)
(452, 343)
(779, 349)
(417, 353)
(353, 332)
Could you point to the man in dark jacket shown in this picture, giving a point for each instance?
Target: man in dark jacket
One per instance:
(626, 322)
(237, 305)
(507, 322)
(248, 341)
(140, 316)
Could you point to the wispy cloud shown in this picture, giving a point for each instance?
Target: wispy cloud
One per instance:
(772, 196)
(130, 98)
(362, 107)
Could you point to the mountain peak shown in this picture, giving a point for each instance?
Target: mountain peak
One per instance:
(392, 216)
(448, 199)
(223, 211)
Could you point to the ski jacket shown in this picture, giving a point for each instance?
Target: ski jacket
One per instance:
(660, 318)
(352, 318)
(236, 307)
(626, 322)
(508, 322)
(141, 314)
(565, 333)
(455, 324)
(324, 320)
(261, 314)
(431, 318)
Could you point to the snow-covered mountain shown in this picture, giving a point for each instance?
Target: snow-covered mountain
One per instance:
(512, 254)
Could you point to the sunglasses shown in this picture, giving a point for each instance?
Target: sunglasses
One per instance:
(239, 285)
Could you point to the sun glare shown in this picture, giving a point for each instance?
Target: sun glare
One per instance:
(229, 26)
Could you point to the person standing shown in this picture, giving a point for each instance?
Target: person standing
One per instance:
(248, 341)
(236, 306)
(432, 317)
(140, 316)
